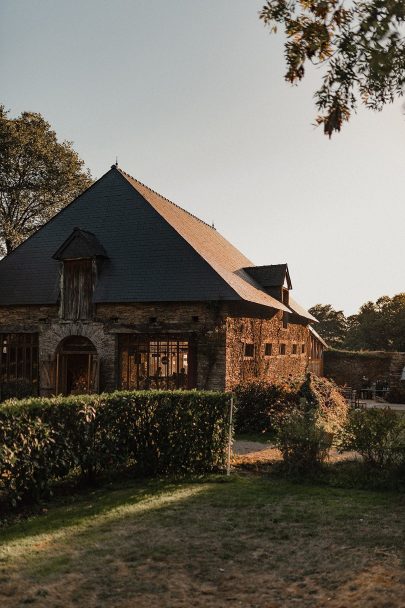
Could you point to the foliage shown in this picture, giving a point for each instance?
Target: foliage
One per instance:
(360, 45)
(396, 395)
(18, 388)
(377, 434)
(377, 326)
(38, 176)
(302, 439)
(332, 324)
(154, 432)
(261, 405)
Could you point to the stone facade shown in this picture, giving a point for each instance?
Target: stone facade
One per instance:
(289, 349)
(219, 332)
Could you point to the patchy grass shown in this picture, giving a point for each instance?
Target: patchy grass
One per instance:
(249, 541)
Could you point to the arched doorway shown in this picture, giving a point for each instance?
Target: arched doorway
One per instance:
(77, 366)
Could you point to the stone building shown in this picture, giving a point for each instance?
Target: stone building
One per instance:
(125, 289)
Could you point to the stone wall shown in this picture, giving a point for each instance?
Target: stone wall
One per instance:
(349, 367)
(240, 368)
(219, 332)
(202, 321)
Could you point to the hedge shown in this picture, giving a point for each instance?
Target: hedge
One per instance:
(153, 432)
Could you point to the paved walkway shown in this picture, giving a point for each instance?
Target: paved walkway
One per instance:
(399, 407)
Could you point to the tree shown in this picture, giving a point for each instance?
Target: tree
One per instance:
(359, 43)
(332, 324)
(38, 176)
(379, 325)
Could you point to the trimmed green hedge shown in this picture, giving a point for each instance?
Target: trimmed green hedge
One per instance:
(153, 432)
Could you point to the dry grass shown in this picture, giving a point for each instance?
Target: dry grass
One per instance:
(251, 542)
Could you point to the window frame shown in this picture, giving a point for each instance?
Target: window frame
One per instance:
(136, 351)
(19, 358)
(250, 346)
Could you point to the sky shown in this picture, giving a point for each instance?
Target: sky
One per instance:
(190, 97)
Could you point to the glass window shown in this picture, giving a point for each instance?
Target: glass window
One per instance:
(18, 365)
(154, 363)
(282, 349)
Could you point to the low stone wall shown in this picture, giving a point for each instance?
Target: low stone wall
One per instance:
(349, 367)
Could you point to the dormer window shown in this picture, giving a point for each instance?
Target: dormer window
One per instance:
(80, 257)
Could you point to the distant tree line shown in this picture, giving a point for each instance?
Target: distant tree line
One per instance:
(378, 325)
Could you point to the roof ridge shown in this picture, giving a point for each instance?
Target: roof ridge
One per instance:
(164, 198)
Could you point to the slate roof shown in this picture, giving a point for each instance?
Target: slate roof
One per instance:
(156, 251)
(80, 244)
(272, 275)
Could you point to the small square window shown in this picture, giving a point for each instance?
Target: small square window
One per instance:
(249, 350)
(152, 319)
(294, 349)
(268, 348)
(195, 319)
(282, 349)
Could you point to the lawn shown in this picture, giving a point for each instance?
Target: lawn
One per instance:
(251, 541)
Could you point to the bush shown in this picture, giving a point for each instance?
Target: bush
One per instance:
(260, 405)
(378, 435)
(304, 415)
(302, 439)
(153, 432)
(19, 389)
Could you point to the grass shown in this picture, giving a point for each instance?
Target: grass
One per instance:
(249, 541)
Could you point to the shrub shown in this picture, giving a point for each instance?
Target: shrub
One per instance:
(154, 432)
(302, 439)
(377, 434)
(19, 389)
(260, 405)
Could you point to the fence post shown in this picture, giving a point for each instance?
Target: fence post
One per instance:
(228, 467)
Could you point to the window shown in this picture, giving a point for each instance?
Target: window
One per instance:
(282, 349)
(161, 362)
(268, 348)
(294, 349)
(18, 364)
(195, 319)
(249, 350)
(303, 349)
(77, 293)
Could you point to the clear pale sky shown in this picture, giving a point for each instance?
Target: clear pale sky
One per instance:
(190, 96)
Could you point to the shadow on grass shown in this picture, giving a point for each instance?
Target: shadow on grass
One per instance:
(135, 536)
(112, 500)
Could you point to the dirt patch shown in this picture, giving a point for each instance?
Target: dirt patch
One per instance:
(254, 452)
